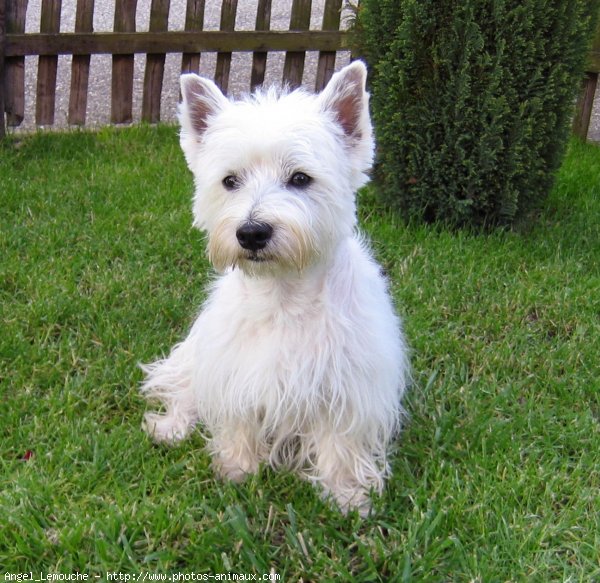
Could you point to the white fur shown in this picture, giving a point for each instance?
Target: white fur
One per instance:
(297, 357)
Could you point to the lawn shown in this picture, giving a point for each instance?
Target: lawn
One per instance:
(496, 475)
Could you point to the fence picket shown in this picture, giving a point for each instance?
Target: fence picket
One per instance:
(585, 105)
(585, 102)
(331, 21)
(194, 21)
(293, 68)
(47, 66)
(155, 64)
(259, 59)
(122, 66)
(80, 67)
(2, 36)
(14, 67)
(228, 13)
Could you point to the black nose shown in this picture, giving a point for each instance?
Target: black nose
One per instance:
(254, 236)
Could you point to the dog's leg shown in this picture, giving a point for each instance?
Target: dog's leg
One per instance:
(169, 427)
(169, 381)
(235, 450)
(347, 471)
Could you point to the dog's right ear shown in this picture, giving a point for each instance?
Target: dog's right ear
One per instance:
(202, 99)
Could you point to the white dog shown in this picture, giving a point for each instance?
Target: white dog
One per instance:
(297, 357)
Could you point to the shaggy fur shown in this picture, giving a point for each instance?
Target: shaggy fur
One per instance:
(297, 358)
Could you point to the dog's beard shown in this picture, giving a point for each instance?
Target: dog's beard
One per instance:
(291, 249)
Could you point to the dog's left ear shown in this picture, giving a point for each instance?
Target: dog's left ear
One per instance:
(347, 99)
(345, 96)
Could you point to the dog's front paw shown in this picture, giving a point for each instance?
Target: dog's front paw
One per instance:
(166, 428)
(234, 467)
(349, 500)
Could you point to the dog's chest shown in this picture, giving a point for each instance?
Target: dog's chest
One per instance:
(278, 325)
(267, 342)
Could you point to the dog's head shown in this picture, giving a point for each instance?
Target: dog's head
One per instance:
(276, 173)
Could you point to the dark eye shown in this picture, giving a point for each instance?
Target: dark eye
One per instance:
(300, 180)
(231, 182)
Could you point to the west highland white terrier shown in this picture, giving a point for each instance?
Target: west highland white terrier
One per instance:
(297, 357)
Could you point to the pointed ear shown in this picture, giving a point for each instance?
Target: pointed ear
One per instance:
(201, 99)
(346, 98)
(347, 101)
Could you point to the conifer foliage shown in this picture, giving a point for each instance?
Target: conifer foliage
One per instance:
(472, 101)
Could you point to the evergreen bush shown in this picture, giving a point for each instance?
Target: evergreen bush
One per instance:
(472, 101)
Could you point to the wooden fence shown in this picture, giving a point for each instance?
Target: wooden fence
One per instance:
(585, 103)
(124, 42)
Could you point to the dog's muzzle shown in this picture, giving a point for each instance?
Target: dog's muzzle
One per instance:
(254, 236)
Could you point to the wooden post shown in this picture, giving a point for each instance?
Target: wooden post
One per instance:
(259, 60)
(585, 102)
(122, 68)
(331, 21)
(194, 21)
(293, 68)
(155, 64)
(228, 12)
(80, 67)
(14, 67)
(47, 66)
(585, 105)
(2, 38)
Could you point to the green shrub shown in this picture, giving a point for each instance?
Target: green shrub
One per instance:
(472, 101)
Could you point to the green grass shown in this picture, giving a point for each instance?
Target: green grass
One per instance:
(496, 476)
